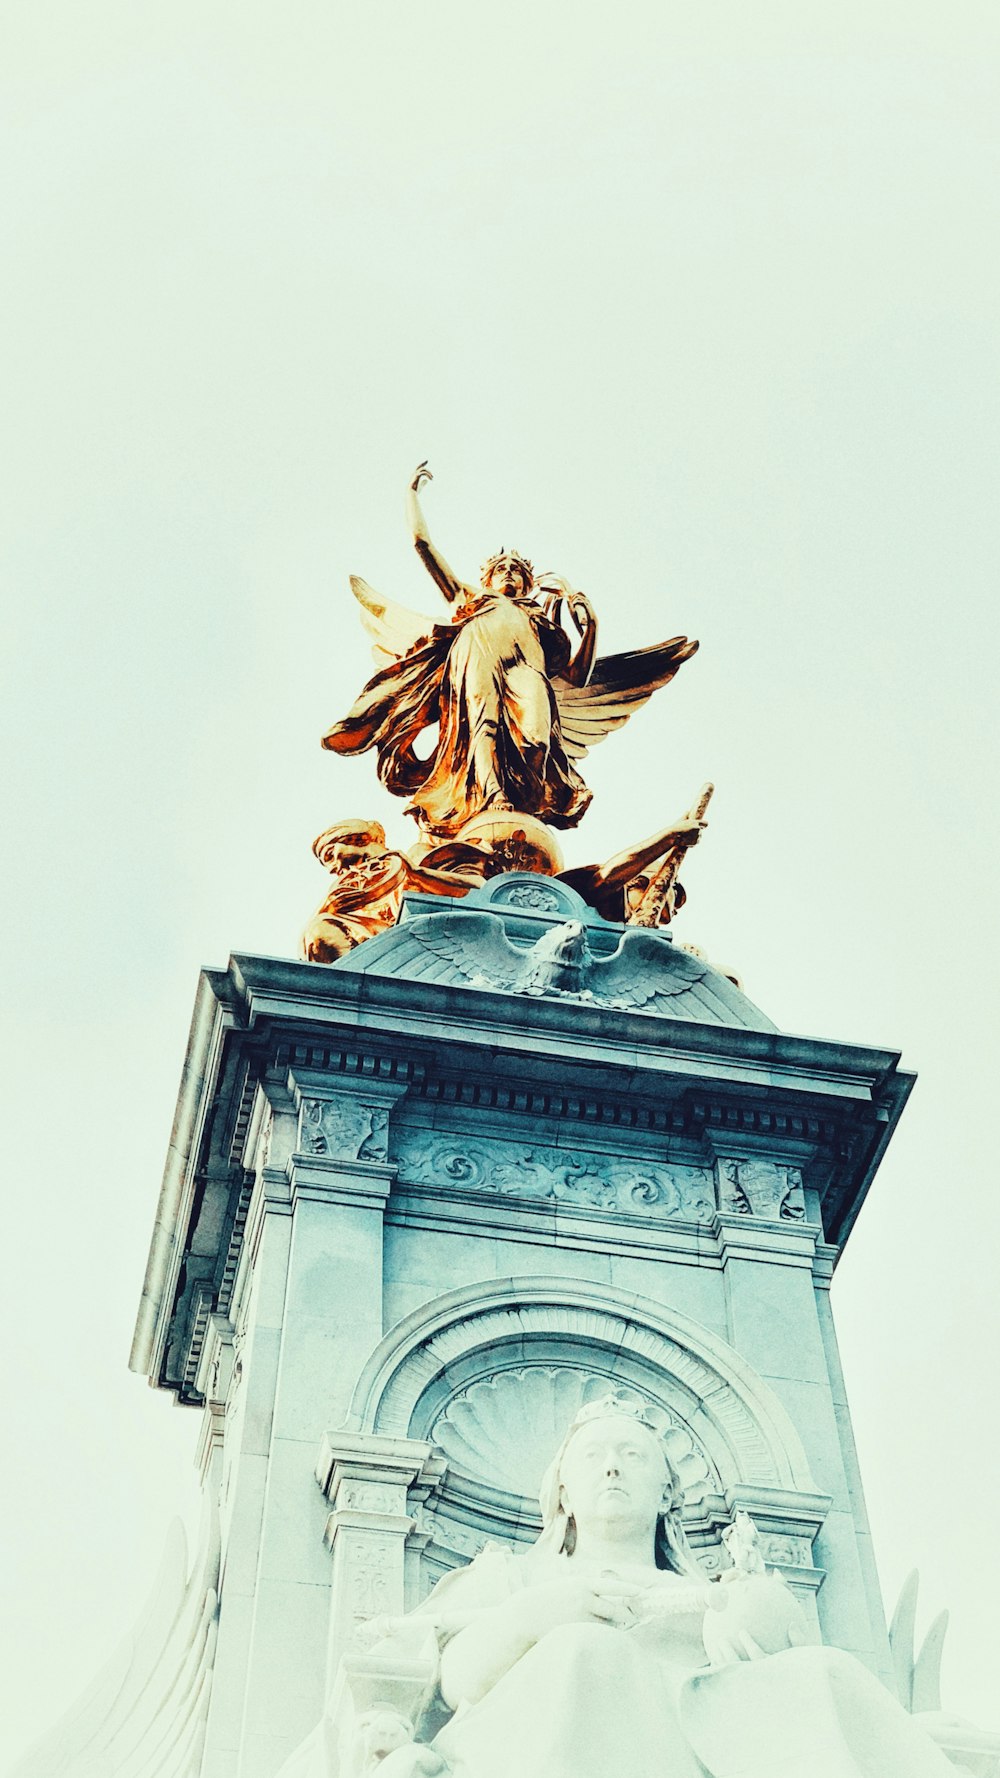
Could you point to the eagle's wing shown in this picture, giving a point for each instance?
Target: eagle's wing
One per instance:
(475, 946)
(618, 686)
(393, 628)
(646, 970)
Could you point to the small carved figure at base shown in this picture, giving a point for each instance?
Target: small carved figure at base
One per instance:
(378, 1734)
(369, 880)
(383, 1743)
(743, 1544)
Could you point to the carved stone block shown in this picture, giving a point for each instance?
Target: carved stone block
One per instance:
(346, 1128)
(761, 1188)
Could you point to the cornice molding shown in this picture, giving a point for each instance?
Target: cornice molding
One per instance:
(284, 1031)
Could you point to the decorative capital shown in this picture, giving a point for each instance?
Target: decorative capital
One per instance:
(758, 1187)
(344, 1118)
(344, 1129)
(375, 1483)
(347, 1458)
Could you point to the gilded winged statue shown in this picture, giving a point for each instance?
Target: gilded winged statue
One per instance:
(512, 683)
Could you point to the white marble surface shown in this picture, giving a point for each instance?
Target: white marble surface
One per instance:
(604, 1648)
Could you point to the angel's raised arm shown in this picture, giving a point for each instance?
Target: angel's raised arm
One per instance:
(444, 577)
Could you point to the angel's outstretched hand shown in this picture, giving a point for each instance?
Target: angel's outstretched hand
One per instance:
(420, 475)
(688, 833)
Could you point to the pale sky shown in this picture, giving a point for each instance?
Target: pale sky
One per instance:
(698, 307)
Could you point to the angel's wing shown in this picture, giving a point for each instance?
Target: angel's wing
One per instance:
(474, 946)
(393, 628)
(618, 686)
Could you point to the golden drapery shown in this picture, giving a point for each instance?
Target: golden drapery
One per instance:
(485, 678)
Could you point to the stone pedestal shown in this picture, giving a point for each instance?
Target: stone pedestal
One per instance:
(411, 1224)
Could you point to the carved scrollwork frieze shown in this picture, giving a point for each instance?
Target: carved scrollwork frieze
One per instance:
(557, 1175)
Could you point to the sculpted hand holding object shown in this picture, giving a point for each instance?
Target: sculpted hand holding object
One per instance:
(641, 886)
(516, 703)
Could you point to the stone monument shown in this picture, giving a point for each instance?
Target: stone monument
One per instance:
(493, 1254)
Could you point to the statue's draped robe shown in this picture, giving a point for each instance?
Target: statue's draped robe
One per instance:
(591, 1701)
(485, 678)
(363, 900)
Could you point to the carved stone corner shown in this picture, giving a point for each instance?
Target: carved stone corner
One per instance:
(215, 1365)
(770, 1190)
(367, 1472)
(766, 1240)
(344, 1117)
(788, 1523)
(376, 1487)
(265, 1125)
(823, 1264)
(214, 1382)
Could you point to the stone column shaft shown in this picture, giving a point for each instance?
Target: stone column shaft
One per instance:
(338, 1180)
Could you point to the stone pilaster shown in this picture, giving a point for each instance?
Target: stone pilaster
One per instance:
(214, 1380)
(336, 1181)
(375, 1486)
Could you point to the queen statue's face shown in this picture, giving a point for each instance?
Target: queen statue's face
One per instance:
(613, 1475)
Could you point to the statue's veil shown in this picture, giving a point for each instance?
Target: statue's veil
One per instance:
(672, 1549)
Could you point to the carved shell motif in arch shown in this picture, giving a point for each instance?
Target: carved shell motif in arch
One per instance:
(505, 1429)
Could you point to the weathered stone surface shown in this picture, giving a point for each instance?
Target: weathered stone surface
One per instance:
(522, 934)
(424, 1214)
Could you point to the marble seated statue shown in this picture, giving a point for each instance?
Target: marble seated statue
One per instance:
(604, 1651)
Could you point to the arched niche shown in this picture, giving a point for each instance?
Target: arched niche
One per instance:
(492, 1374)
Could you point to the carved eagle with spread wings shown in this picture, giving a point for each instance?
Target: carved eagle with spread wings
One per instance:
(512, 684)
(646, 972)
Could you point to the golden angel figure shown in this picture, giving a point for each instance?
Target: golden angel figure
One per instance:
(516, 702)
